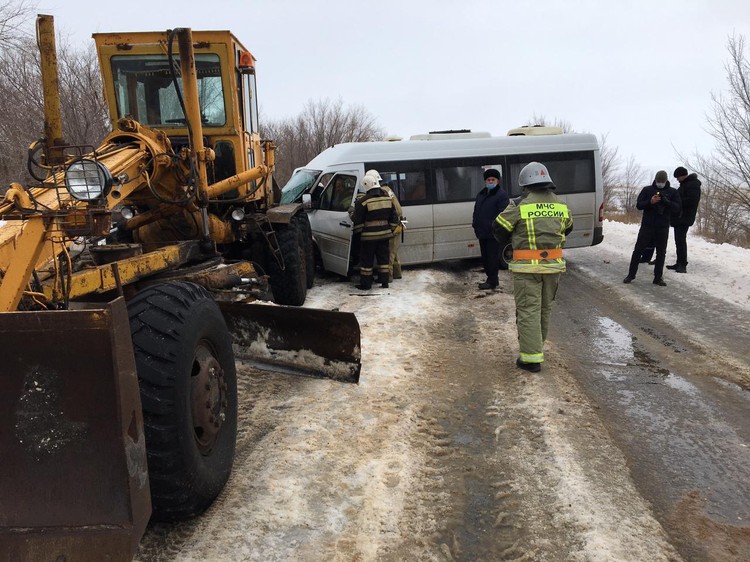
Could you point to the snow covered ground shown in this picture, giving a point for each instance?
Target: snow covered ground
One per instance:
(719, 270)
(376, 471)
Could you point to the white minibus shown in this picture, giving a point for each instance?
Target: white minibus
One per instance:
(436, 178)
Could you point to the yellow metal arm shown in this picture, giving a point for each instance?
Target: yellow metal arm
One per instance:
(29, 243)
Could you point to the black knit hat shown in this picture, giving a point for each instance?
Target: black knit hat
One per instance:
(492, 173)
(679, 172)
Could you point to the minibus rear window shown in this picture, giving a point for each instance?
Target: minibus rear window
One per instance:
(570, 173)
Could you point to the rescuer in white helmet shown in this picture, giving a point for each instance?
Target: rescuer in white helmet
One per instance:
(536, 225)
(394, 264)
(375, 219)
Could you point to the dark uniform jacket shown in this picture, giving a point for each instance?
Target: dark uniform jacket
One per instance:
(487, 206)
(375, 216)
(658, 215)
(690, 195)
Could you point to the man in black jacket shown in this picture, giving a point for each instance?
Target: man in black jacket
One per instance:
(490, 202)
(690, 195)
(658, 202)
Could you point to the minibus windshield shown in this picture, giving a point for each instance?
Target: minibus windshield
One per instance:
(298, 184)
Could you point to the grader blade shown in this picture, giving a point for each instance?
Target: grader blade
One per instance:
(307, 341)
(73, 474)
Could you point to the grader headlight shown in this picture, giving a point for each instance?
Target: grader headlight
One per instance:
(88, 180)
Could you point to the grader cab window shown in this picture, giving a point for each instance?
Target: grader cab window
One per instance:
(145, 91)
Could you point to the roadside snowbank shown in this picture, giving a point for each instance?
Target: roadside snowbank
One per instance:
(719, 270)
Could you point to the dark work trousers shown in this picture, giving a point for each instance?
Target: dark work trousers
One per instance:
(371, 250)
(356, 244)
(680, 243)
(648, 254)
(658, 235)
(490, 249)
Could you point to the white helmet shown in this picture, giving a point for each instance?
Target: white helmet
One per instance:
(374, 173)
(535, 174)
(370, 182)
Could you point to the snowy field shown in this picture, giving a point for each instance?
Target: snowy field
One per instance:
(719, 270)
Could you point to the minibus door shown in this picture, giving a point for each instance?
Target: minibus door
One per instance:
(330, 221)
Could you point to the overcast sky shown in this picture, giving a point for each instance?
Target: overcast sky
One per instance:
(640, 71)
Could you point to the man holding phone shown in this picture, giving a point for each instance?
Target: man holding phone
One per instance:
(658, 202)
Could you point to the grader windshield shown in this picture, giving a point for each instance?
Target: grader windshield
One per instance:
(145, 90)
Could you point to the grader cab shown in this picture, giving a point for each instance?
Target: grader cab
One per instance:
(130, 275)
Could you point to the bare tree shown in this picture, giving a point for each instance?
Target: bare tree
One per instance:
(21, 109)
(720, 218)
(729, 124)
(84, 113)
(13, 16)
(320, 125)
(610, 162)
(631, 182)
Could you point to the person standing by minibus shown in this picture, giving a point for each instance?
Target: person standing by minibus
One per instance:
(356, 238)
(375, 219)
(657, 201)
(690, 196)
(490, 202)
(394, 265)
(536, 225)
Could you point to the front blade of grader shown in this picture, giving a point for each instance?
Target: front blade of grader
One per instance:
(73, 474)
(307, 341)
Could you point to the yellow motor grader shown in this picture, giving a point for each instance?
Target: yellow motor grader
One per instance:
(132, 275)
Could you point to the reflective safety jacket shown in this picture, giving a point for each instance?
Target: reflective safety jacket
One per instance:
(536, 226)
(397, 206)
(375, 217)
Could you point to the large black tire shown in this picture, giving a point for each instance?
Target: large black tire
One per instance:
(186, 371)
(289, 286)
(309, 249)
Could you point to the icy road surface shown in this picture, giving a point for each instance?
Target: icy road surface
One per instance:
(446, 451)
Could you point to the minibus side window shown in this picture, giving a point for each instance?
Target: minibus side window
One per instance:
(573, 176)
(412, 187)
(338, 195)
(391, 180)
(408, 186)
(409, 179)
(317, 191)
(459, 183)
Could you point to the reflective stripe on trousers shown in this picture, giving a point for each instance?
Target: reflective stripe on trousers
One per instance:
(534, 294)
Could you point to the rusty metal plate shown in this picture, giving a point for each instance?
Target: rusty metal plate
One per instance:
(308, 341)
(73, 476)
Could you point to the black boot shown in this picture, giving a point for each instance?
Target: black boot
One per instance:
(531, 367)
(365, 283)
